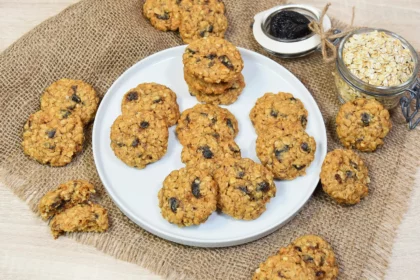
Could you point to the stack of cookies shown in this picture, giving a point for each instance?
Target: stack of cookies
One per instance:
(55, 134)
(194, 18)
(212, 70)
(283, 146)
(140, 135)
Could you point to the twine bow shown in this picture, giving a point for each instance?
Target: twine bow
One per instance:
(330, 35)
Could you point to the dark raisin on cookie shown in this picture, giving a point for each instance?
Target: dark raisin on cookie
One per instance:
(132, 95)
(174, 204)
(195, 188)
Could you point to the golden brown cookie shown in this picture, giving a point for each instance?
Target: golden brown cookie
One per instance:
(65, 196)
(217, 5)
(317, 254)
(213, 60)
(199, 85)
(206, 119)
(71, 97)
(286, 153)
(152, 97)
(228, 97)
(363, 124)
(199, 21)
(188, 197)
(164, 15)
(82, 217)
(245, 187)
(52, 138)
(284, 267)
(139, 139)
(344, 176)
(278, 110)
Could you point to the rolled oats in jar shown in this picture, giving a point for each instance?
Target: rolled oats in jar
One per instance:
(374, 63)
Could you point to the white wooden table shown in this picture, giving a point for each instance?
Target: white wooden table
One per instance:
(27, 250)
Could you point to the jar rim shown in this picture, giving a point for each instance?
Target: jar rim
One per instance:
(381, 91)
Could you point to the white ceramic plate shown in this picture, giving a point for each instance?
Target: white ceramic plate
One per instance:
(135, 191)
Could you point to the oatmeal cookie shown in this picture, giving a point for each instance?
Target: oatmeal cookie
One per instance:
(286, 153)
(200, 21)
(52, 138)
(278, 110)
(206, 119)
(188, 197)
(317, 254)
(164, 15)
(344, 176)
(213, 60)
(71, 97)
(227, 98)
(363, 124)
(282, 267)
(152, 97)
(139, 139)
(82, 217)
(245, 187)
(65, 196)
(216, 5)
(203, 87)
(206, 152)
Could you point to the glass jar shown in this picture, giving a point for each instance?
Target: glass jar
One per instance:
(350, 87)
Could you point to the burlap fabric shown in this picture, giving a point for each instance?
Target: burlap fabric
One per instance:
(97, 41)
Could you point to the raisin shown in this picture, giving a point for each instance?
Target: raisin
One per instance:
(195, 188)
(240, 174)
(320, 273)
(234, 149)
(307, 258)
(135, 142)
(278, 153)
(165, 16)
(65, 114)
(297, 248)
(303, 120)
(338, 178)
(366, 119)
(144, 124)
(289, 25)
(226, 62)
(299, 167)
(274, 113)
(119, 144)
(207, 153)
(191, 51)
(292, 99)
(244, 189)
(157, 100)
(76, 98)
(132, 95)
(211, 56)
(173, 203)
(210, 29)
(229, 124)
(263, 187)
(216, 135)
(305, 147)
(187, 118)
(214, 120)
(204, 114)
(51, 133)
(349, 174)
(354, 165)
(203, 33)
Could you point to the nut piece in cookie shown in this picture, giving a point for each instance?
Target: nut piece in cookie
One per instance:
(284, 266)
(213, 60)
(82, 217)
(317, 254)
(71, 97)
(287, 153)
(52, 138)
(278, 110)
(139, 139)
(245, 187)
(344, 176)
(65, 196)
(188, 197)
(363, 124)
(206, 119)
(164, 15)
(152, 97)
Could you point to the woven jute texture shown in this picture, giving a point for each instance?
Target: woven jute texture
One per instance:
(96, 41)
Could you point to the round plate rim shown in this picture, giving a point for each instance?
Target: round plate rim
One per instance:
(208, 243)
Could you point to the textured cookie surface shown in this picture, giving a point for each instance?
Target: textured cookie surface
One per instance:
(139, 139)
(228, 97)
(213, 60)
(65, 196)
(284, 267)
(278, 110)
(71, 97)
(206, 119)
(363, 124)
(164, 15)
(82, 217)
(152, 97)
(317, 254)
(245, 187)
(344, 176)
(52, 138)
(286, 153)
(205, 20)
(199, 85)
(188, 197)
